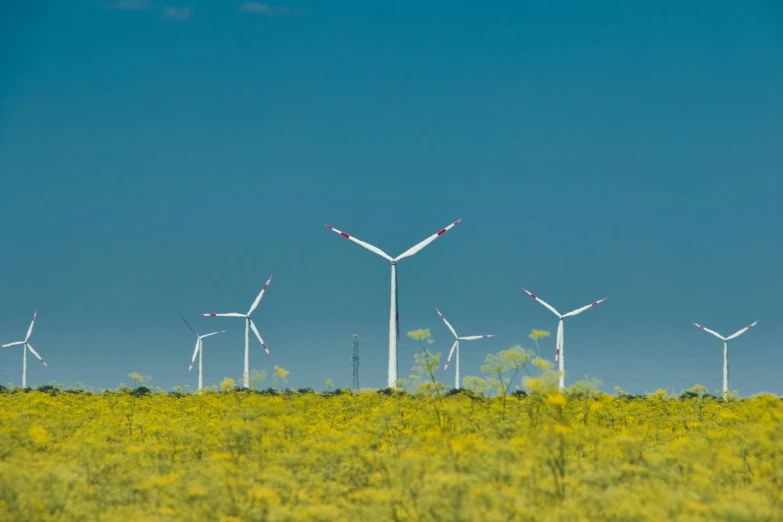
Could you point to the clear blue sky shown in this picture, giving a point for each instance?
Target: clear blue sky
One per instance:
(156, 157)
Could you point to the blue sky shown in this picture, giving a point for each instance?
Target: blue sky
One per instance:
(156, 157)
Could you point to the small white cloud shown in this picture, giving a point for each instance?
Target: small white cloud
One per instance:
(266, 9)
(173, 12)
(130, 5)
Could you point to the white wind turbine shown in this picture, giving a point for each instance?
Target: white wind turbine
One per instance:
(726, 350)
(559, 357)
(455, 346)
(248, 325)
(199, 350)
(394, 316)
(24, 350)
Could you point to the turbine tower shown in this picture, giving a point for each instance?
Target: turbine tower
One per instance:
(394, 316)
(726, 350)
(199, 350)
(27, 346)
(248, 325)
(355, 360)
(559, 356)
(455, 346)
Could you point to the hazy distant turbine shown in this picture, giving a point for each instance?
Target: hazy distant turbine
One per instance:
(199, 350)
(27, 346)
(455, 347)
(248, 325)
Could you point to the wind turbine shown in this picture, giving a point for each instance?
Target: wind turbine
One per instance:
(726, 350)
(24, 350)
(248, 325)
(559, 357)
(455, 346)
(199, 350)
(394, 316)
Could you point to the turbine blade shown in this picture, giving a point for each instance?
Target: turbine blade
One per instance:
(17, 343)
(716, 334)
(36, 354)
(534, 296)
(222, 315)
(195, 353)
(211, 334)
(740, 332)
(255, 331)
(187, 323)
(32, 323)
(416, 248)
(453, 347)
(447, 324)
(580, 310)
(260, 295)
(474, 337)
(368, 246)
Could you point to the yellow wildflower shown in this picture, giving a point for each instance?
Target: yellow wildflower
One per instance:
(556, 399)
(39, 435)
(419, 334)
(538, 334)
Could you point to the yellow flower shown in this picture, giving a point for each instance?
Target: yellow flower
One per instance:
(281, 372)
(419, 334)
(538, 334)
(264, 494)
(556, 399)
(226, 384)
(196, 491)
(39, 435)
(160, 481)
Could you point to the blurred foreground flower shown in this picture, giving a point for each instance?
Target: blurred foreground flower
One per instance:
(538, 334)
(420, 334)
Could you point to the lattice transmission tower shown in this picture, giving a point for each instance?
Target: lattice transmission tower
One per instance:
(355, 360)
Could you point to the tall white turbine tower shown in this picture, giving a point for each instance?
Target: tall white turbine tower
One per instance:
(394, 316)
(726, 350)
(455, 347)
(26, 347)
(198, 351)
(559, 356)
(248, 325)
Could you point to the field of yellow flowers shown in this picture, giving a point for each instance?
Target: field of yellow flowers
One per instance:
(422, 454)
